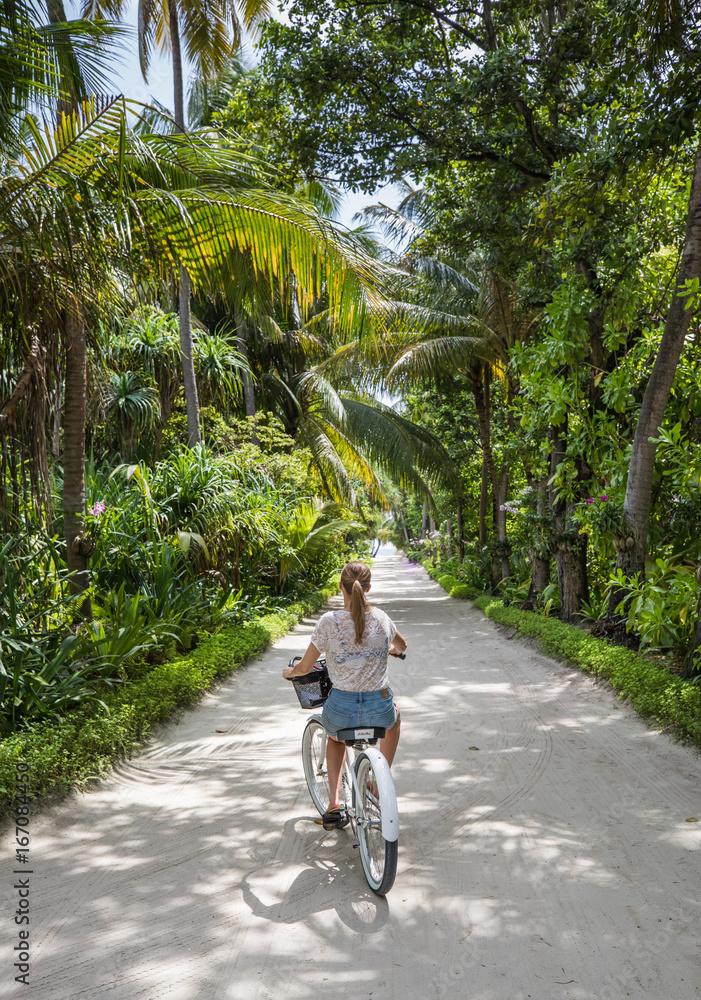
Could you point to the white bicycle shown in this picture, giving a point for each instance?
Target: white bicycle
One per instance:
(370, 804)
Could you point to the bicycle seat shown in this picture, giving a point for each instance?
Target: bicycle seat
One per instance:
(366, 734)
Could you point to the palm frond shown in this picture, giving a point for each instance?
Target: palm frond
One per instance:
(410, 454)
(93, 189)
(430, 359)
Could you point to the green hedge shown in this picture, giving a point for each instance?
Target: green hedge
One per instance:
(652, 690)
(83, 745)
(456, 588)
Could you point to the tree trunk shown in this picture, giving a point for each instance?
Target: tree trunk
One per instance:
(540, 577)
(67, 100)
(459, 529)
(484, 500)
(249, 399)
(248, 395)
(78, 547)
(56, 436)
(501, 523)
(481, 393)
(402, 514)
(638, 498)
(192, 402)
(194, 435)
(178, 103)
(540, 561)
(7, 414)
(571, 562)
(571, 548)
(423, 520)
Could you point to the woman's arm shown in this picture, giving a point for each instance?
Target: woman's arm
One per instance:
(398, 644)
(305, 664)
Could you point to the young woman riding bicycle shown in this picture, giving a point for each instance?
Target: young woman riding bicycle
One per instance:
(357, 642)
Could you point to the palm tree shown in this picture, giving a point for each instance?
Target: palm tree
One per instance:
(453, 320)
(457, 316)
(350, 434)
(91, 202)
(464, 325)
(49, 66)
(149, 339)
(210, 33)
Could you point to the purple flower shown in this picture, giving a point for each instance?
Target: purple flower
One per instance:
(590, 499)
(97, 508)
(604, 497)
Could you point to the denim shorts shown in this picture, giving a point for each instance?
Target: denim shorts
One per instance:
(355, 709)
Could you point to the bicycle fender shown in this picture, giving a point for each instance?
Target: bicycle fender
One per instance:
(388, 796)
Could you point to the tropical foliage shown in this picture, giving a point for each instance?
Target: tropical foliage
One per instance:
(211, 392)
(552, 230)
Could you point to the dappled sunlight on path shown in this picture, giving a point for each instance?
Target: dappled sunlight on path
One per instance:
(544, 848)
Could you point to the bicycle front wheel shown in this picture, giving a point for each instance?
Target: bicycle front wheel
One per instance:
(314, 761)
(377, 855)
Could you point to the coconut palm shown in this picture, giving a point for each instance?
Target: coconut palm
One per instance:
(45, 57)
(209, 32)
(350, 434)
(46, 62)
(456, 317)
(92, 205)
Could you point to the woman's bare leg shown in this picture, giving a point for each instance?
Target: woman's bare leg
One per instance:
(388, 745)
(335, 756)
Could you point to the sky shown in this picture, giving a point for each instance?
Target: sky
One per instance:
(127, 79)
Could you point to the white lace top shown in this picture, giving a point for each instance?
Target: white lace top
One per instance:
(355, 666)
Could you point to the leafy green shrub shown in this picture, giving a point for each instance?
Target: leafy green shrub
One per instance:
(454, 586)
(45, 666)
(68, 752)
(659, 605)
(46, 680)
(652, 690)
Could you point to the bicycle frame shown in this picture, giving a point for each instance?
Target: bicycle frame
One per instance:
(385, 788)
(368, 799)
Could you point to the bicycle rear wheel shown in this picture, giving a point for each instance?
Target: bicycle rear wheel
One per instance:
(314, 761)
(377, 855)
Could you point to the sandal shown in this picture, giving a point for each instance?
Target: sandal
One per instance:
(334, 819)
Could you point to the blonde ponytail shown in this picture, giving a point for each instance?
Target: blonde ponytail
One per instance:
(357, 610)
(355, 580)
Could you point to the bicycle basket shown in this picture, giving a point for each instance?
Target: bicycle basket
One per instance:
(313, 688)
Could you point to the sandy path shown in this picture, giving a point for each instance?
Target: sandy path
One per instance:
(552, 862)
